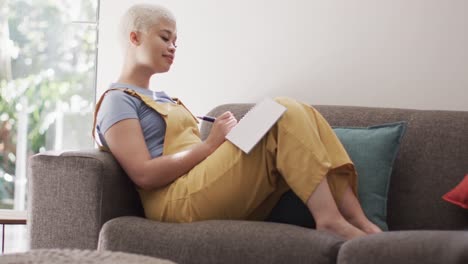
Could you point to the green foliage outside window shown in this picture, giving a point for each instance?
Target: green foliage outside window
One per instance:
(47, 62)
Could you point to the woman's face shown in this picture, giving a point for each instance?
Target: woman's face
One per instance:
(156, 51)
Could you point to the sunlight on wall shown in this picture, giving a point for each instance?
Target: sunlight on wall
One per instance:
(407, 54)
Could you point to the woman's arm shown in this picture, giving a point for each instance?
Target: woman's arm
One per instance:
(126, 142)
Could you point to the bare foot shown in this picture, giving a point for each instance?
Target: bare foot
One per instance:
(341, 228)
(365, 225)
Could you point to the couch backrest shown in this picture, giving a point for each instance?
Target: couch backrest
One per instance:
(432, 159)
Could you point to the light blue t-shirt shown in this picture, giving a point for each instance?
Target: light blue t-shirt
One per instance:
(117, 106)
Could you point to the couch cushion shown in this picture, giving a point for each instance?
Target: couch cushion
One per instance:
(220, 241)
(459, 194)
(433, 158)
(428, 247)
(373, 150)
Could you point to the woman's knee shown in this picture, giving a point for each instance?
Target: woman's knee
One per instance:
(294, 108)
(286, 101)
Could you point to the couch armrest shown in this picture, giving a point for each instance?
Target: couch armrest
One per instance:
(72, 194)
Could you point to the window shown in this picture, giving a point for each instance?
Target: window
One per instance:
(47, 89)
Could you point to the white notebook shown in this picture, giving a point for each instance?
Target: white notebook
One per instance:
(255, 124)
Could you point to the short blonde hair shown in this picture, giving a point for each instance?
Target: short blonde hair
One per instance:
(141, 17)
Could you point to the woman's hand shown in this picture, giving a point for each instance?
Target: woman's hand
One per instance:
(221, 127)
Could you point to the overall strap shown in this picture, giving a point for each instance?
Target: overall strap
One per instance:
(163, 111)
(96, 110)
(160, 108)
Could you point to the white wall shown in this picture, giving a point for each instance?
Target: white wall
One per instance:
(394, 53)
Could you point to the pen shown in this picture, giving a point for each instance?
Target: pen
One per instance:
(207, 118)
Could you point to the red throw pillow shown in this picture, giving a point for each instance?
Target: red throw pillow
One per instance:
(459, 194)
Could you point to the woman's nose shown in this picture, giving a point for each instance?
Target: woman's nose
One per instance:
(172, 47)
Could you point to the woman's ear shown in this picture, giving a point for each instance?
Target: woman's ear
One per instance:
(135, 38)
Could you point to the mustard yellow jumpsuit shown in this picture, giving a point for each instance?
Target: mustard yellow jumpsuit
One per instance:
(298, 152)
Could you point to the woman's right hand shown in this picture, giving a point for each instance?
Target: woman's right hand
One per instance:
(221, 127)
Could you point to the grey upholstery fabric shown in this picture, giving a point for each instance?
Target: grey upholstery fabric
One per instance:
(409, 247)
(433, 158)
(220, 241)
(72, 194)
(74, 256)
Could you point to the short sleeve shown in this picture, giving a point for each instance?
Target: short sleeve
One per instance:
(116, 106)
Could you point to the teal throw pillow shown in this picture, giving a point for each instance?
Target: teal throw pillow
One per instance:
(373, 151)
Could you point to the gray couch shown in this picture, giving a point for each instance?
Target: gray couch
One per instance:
(83, 199)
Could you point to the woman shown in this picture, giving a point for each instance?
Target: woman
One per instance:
(183, 179)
